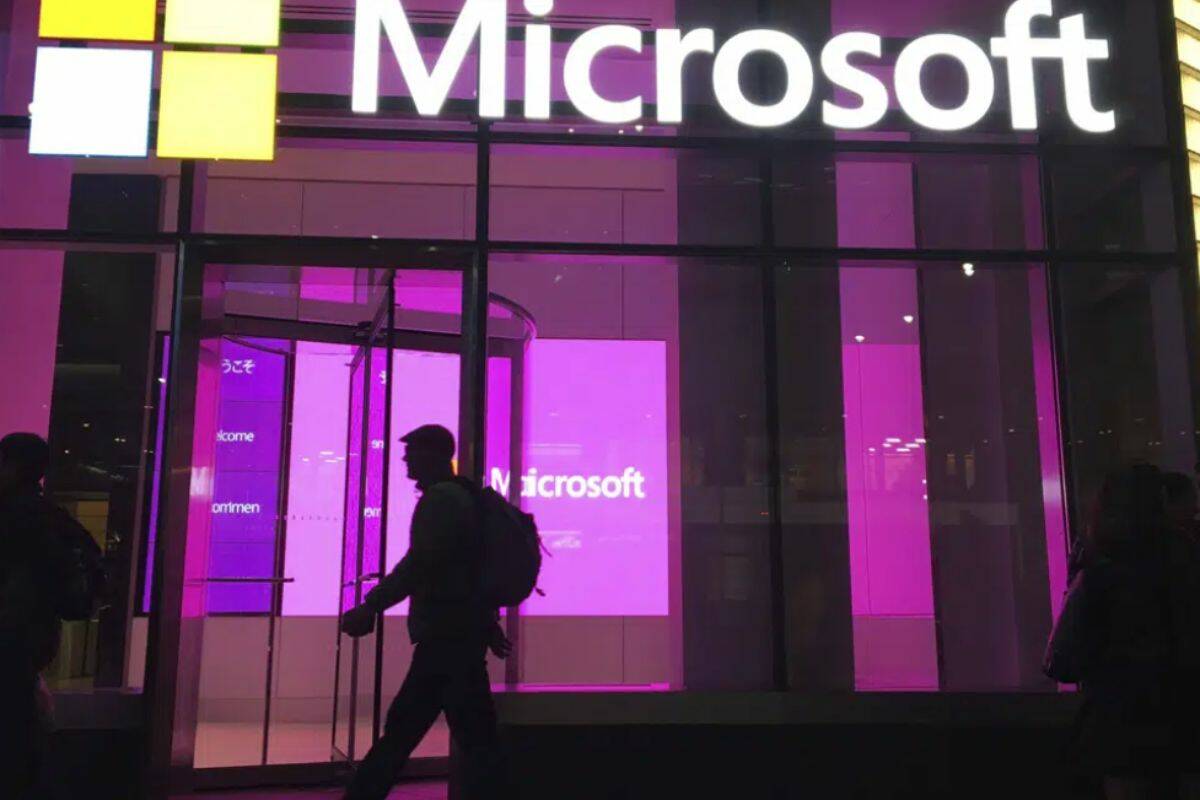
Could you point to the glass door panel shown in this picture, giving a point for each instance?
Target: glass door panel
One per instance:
(375, 513)
(245, 566)
(306, 641)
(302, 520)
(345, 691)
(356, 720)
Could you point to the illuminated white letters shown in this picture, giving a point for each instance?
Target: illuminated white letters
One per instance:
(538, 51)
(1078, 50)
(727, 78)
(835, 61)
(429, 90)
(673, 49)
(1073, 48)
(577, 73)
(1018, 49)
(981, 82)
(629, 485)
(236, 509)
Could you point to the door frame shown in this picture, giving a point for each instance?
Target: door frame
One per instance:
(381, 326)
(175, 635)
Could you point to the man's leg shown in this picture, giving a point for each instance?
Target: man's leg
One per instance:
(18, 732)
(471, 713)
(410, 717)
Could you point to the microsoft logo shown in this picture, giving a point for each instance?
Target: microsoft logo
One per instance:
(95, 100)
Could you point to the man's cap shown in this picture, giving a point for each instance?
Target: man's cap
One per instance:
(432, 438)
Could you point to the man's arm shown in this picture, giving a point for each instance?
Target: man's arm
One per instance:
(396, 586)
(436, 540)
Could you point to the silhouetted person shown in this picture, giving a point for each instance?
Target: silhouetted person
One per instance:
(45, 563)
(1182, 507)
(1182, 502)
(1137, 730)
(450, 624)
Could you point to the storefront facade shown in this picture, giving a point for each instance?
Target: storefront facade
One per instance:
(807, 330)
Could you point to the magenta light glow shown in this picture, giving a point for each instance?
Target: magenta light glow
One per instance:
(1049, 444)
(593, 468)
(597, 409)
(424, 392)
(595, 425)
(891, 572)
(318, 479)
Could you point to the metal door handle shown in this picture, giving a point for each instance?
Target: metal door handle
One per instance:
(249, 580)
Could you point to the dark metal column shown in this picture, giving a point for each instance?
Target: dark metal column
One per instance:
(181, 558)
(472, 431)
(176, 630)
(779, 654)
(473, 415)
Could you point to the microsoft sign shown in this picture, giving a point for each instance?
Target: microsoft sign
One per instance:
(487, 20)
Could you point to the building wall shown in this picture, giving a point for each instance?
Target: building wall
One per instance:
(1187, 20)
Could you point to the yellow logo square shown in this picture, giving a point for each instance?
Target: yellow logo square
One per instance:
(248, 23)
(118, 20)
(217, 105)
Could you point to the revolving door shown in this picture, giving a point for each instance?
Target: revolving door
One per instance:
(326, 368)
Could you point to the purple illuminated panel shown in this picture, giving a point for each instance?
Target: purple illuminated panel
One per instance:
(596, 476)
(317, 479)
(246, 483)
(595, 426)
(891, 574)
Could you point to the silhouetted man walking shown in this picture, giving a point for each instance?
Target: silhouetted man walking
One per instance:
(449, 622)
(49, 571)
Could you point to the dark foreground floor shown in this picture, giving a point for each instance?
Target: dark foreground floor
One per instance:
(412, 791)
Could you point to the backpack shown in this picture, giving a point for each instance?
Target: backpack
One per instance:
(67, 565)
(81, 579)
(511, 556)
(1067, 653)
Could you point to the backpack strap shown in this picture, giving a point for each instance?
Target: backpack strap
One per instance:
(476, 492)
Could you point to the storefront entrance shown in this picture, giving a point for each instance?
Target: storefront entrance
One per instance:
(304, 377)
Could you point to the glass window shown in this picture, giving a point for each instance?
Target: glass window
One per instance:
(619, 195)
(1105, 202)
(903, 201)
(642, 454)
(348, 188)
(86, 195)
(920, 463)
(78, 337)
(1127, 373)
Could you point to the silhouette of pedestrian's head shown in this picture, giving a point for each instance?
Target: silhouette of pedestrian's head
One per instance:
(1181, 499)
(429, 454)
(1131, 508)
(24, 458)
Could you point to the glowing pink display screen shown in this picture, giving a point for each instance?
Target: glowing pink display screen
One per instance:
(593, 472)
(596, 476)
